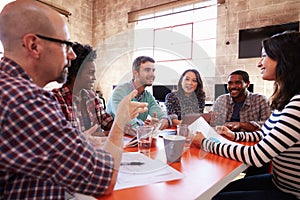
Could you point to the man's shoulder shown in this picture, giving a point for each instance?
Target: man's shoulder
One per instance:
(19, 90)
(172, 94)
(223, 97)
(17, 85)
(257, 96)
(118, 93)
(222, 103)
(121, 88)
(57, 91)
(62, 93)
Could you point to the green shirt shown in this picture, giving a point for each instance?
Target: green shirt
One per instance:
(123, 90)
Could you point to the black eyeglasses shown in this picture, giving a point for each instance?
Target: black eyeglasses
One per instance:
(68, 44)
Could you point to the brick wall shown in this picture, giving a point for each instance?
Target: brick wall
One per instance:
(80, 23)
(245, 14)
(103, 23)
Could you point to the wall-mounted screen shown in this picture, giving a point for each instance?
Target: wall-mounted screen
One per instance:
(160, 91)
(250, 39)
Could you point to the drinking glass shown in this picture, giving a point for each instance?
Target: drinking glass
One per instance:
(144, 137)
(183, 130)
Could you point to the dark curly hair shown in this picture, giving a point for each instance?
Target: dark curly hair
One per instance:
(84, 53)
(242, 73)
(285, 49)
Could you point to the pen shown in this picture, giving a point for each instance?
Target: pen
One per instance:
(133, 142)
(132, 163)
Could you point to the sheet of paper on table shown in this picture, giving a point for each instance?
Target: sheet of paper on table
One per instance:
(151, 171)
(209, 132)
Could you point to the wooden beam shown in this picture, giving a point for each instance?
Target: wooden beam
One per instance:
(56, 7)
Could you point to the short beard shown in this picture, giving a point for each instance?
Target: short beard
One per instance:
(63, 77)
(145, 85)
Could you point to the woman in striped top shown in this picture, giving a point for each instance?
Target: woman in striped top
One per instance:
(279, 138)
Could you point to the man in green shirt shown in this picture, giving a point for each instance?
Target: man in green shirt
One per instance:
(143, 75)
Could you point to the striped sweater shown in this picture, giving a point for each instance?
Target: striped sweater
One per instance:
(279, 141)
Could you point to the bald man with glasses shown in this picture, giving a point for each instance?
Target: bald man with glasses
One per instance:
(68, 44)
(42, 155)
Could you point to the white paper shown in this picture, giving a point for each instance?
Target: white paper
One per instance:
(152, 171)
(209, 132)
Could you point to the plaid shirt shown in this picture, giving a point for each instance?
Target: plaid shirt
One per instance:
(90, 102)
(41, 155)
(255, 109)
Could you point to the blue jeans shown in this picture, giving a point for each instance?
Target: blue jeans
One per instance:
(257, 187)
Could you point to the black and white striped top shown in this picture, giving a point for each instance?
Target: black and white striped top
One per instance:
(279, 141)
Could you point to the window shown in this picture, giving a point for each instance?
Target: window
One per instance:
(179, 38)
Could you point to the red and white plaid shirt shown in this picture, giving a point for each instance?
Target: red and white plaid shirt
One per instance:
(41, 155)
(72, 105)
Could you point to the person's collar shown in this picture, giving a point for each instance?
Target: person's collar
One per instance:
(248, 99)
(66, 89)
(132, 87)
(14, 69)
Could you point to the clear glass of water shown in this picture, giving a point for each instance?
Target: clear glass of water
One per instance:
(183, 130)
(144, 137)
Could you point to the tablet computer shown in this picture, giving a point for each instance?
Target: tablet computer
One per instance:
(188, 119)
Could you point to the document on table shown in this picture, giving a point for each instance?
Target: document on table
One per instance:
(137, 169)
(151, 171)
(209, 132)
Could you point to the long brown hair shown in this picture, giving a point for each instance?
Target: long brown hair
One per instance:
(285, 49)
(199, 90)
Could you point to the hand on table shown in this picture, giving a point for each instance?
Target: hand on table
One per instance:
(223, 130)
(158, 124)
(234, 126)
(153, 121)
(198, 138)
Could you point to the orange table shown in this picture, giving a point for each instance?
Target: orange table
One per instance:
(205, 175)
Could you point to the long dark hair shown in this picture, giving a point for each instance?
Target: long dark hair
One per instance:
(285, 49)
(199, 90)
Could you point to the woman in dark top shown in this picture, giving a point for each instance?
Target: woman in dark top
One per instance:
(189, 98)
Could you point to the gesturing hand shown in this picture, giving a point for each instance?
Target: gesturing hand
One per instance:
(153, 121)
(127, 110)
